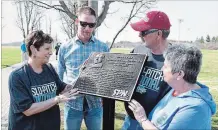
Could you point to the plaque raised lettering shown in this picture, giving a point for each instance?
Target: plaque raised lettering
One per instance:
(111, 75)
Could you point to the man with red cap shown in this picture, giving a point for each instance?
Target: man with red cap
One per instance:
(153, 30)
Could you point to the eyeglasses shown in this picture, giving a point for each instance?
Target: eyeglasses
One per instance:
(144, 33)
(84, 24)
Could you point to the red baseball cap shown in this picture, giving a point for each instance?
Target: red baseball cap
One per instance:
(153, 20)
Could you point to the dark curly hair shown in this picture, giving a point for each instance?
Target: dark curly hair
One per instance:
(37, 39)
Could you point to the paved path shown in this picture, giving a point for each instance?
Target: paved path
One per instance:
(5, 93)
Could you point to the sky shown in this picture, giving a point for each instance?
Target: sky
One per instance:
(200, 18)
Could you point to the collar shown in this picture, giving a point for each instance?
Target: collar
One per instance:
(91, 39)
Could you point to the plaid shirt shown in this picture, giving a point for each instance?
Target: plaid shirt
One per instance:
(70, 58)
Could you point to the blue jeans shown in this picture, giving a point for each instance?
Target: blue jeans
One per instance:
(131, 124)
(73, 118)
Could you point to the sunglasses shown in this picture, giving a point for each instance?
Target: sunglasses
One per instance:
(84, 24)
(144, 33)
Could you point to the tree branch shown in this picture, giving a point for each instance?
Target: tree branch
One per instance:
(28, 16)
(113, 12)
(67, 11)
(47, 6)
(103, 14)
(130, 17)
(130, 2)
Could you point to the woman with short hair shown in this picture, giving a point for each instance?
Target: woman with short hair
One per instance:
(35, 89)
(189, 105)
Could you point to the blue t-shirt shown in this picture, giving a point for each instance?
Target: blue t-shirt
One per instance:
(23, 47)
(151, 87)
(27, 87)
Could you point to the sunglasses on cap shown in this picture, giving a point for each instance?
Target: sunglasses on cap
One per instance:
(144, 33)
(84, 24)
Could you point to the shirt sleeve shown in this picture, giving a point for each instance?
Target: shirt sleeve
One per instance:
(61, 63)
(191, 117)
(21, 99)
(106, 49)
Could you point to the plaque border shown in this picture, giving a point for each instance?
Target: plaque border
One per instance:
(141, 69)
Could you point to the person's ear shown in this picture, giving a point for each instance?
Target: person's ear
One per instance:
(159, 33)
(181, 74)
(77, 21)
(33, 50)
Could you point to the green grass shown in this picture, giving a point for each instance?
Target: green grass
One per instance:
(121, 50)
(10, 56)
(207, 76)
(209, 70)
(215, 117)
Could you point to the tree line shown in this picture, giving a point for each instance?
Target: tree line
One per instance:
(207, 39)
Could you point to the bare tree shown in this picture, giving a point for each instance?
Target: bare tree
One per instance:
(69, 8)
(62, 7)
(138, 7)
(68, 25)
(29, 16)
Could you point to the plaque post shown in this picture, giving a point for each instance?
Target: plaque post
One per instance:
(108, 113)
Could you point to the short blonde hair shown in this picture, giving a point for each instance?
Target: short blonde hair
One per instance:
(86, 10)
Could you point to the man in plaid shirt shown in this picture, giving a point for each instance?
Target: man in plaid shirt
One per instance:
(70, 58)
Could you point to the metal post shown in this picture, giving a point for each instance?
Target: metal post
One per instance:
(180, 21)
(108, 113)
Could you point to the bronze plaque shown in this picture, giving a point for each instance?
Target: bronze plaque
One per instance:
(111, 75)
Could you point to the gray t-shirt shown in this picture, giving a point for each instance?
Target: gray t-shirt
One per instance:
(151, 87)
(27, 87)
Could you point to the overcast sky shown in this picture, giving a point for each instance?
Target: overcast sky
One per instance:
(200, 18)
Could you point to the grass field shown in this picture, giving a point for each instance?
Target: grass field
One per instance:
(208, 76)
(10, 56)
